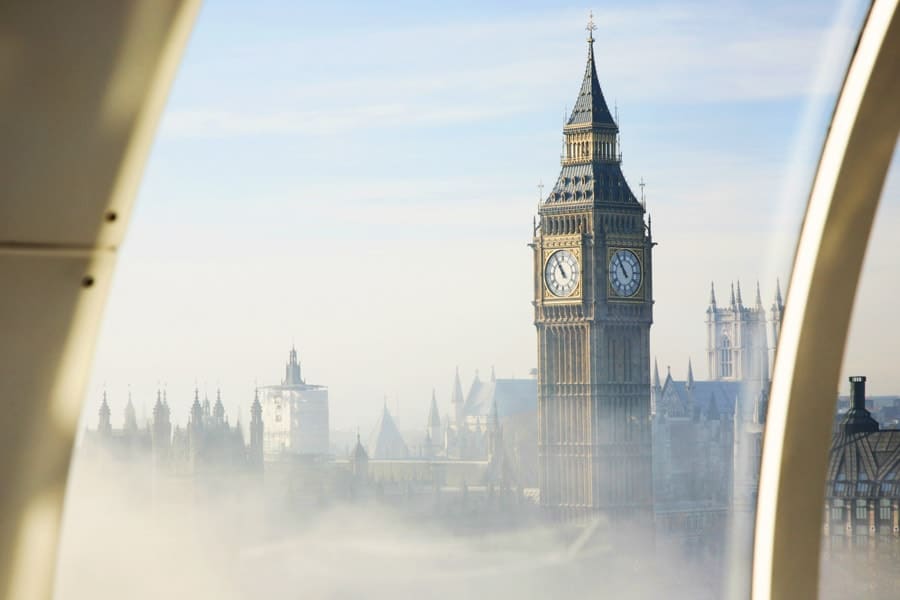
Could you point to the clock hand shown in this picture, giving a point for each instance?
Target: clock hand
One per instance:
(622, 269)
(562, 271)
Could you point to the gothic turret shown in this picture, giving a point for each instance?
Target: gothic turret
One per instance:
(104, 425)
(256, 431)
(433, 427)
(292, 370)
(777, 312)
(196, 412)
(690, 375)
(130, 423)
(359, 462)
(162, 429)
(457, 400)
(656, 383)
(219, 410)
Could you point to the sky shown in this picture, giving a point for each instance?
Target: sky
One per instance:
(359, 180)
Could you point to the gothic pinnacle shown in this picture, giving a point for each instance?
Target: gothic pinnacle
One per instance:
(712, 294)
(758, 296)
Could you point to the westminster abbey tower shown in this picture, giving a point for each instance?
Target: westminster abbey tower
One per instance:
(593, 311)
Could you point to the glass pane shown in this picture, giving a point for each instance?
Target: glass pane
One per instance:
(330, 364)
(861, 539)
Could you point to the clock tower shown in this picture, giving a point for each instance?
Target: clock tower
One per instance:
(593, 307)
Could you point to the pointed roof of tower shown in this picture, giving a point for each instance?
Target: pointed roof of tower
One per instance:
(655, 374)
(104, 407)
(130, 415)
(712, 293)
(434, 418)
(359, 453)
(219, 409)
(740, 300)
(732, 294)
(196, 409)
(386, 441)
(758, 296)
(590, 106)
(778, 301)
(690, 374)
(457, 397)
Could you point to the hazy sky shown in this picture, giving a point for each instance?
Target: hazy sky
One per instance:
(360, 180)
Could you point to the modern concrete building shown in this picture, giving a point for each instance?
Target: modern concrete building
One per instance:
(294, 414)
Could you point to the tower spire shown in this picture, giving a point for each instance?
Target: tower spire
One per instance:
(590, 107)
(778, 301)
(591, 28)
(690, 374)
(758, 296)
(740, 300)
(655, 374)
(712, 294)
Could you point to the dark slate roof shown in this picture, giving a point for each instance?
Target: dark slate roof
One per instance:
(701, 396)
(864, 464)
(512, 397)
(434, 419)
(595, 183)
(386, 441)
(590, 107)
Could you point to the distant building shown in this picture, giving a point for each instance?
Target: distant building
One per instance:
(593, 309)
(294, 414)
(707, 435)
(386, 441)
(509, 404)
(125, 443)
(207, 445)
(862, 495)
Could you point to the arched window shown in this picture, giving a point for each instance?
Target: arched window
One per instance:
(725, 365)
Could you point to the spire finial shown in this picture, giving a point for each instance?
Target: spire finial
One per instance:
(591, 28)
(712, 293)
(740, 300)
(758, 296)
(778, 292)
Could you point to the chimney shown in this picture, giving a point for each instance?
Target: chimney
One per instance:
(858, 392)
(858, 419)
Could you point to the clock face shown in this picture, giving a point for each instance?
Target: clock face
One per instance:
(561, 273)
(624, 273)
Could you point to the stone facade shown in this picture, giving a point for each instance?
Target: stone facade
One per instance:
(593, 299)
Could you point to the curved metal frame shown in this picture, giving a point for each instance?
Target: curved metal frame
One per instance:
(830, 252)
(82, 85)
(59, 256)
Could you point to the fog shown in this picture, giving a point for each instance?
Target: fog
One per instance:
(123, 538)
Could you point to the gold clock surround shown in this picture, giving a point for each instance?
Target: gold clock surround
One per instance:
(549, 250)
(611, 294)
